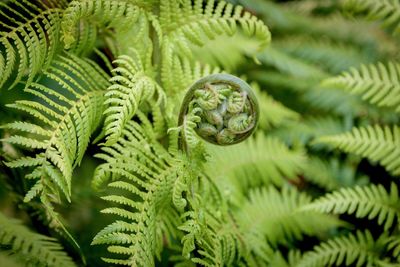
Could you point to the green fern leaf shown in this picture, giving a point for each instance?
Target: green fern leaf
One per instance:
(184, 24)
(66, 118)
(30, 39)
(259, 161)
(387, 11)
(131, 86)
(120, 15)
(31, 248)
(379, 144)
(371, 201)
(353, 250)
(143, 172)
(275, 215)
(272, 112)
(379, 84)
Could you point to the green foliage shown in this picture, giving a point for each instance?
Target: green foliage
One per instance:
(144, 174)
(31, 248)
(387, 11)
(280, 220)
(379, 84)
(359, 249)
(65, 121)
(371, 201)
(104, 145)
(131, 86)
(29, 39)
(379, 144)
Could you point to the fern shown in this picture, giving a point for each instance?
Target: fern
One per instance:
(387, 11)
(245, 165)
(290, 65)
(29, 39)
(320, 172)
(131, 86)
(65, 121)
(195, 24)
(272, 112)
(142, 170)
(371, 201)
(274, 214)
(379, 144)
(360, 249)
(120, 15)
(331, 56)
(31, 248)
(379, 84)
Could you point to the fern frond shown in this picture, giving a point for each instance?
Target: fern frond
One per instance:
(275, 215)
(65, 120)
(29, 39)
(377, 143)
(120, 15)
(394, 245)
(226, 52)
(320, 172)
(377, 83)
(360, 249)
(272, 112)
(31, 248)
(184, 24)
(387, 11)
(218, 240)
(131, 86)
(372, 201)
(188, 23)
(289, 64)
(306, 130)
(330, 56)
(259, 161)
(143, 173)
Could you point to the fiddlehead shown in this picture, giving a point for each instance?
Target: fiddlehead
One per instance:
(221, 108)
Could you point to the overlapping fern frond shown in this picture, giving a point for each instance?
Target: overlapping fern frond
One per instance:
(63, 121)
(131, 86)
(185, 25)
(377, 83)
(387, 11)
(82, 19)
(237, 168)
(31, 248)
(275, 215)
(371, 201)
(273, 113)
(377, 143)
(328, 55)
(29, 39)
(144, 174)
(360, 249)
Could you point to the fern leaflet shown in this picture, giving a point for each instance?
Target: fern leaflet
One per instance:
(66, 119)
(371, 201)
(379, 84)
(360, 249)
(31, 248)
(379, 144)
(29, 38)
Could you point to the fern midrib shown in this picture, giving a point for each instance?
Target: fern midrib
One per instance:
(360, 203)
